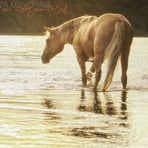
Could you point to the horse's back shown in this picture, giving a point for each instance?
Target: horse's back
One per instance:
(111, 18)
(104, 24)
(95, 32)
(105, 27)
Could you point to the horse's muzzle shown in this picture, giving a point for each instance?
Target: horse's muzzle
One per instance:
(45, 60)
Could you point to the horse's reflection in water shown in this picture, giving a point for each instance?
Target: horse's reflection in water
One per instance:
(107, 119)
(110, 108)
(96, 103)
(111, 116)
(104, 105)
(124, 113)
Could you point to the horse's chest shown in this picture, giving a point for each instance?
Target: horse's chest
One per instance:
(89, 52)
(84, 39)
(87, 48)
(87, 45)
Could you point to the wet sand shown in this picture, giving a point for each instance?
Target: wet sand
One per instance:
(45, 105)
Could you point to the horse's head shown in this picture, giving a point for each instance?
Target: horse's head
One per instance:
(53, 45)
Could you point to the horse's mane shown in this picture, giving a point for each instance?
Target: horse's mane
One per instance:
(76, 22)
(72, 23)
(78, 19)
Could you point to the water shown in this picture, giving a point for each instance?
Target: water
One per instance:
(45, 106)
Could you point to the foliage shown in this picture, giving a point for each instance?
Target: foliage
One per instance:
(29, 17)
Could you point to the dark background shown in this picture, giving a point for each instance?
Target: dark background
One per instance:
(28, 17)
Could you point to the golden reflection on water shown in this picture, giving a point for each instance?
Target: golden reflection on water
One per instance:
(98, 107)
(86, 120)
(44, 105)
(98, 119)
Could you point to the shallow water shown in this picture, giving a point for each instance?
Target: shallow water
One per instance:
(45, 106)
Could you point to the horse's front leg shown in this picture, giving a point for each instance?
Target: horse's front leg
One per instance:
(81, 62)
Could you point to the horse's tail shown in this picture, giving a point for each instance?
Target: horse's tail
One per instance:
(113, 51)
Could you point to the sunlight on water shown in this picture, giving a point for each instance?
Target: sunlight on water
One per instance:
(45, 106)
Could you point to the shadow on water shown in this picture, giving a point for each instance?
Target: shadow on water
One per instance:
(98, 106)
(123, 105)
(99, 116)
(113, 116)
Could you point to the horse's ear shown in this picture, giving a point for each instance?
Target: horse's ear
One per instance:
(49, 29)
(46, 28)
(47, 33)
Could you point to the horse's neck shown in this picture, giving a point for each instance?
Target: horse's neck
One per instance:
(68, 30)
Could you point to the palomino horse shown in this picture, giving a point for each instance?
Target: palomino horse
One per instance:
(97, 38)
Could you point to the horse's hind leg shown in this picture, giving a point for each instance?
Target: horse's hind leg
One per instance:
(124, 66)
(97, 63)
(124, 63)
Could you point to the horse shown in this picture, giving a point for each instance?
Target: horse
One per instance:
(94, 39)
